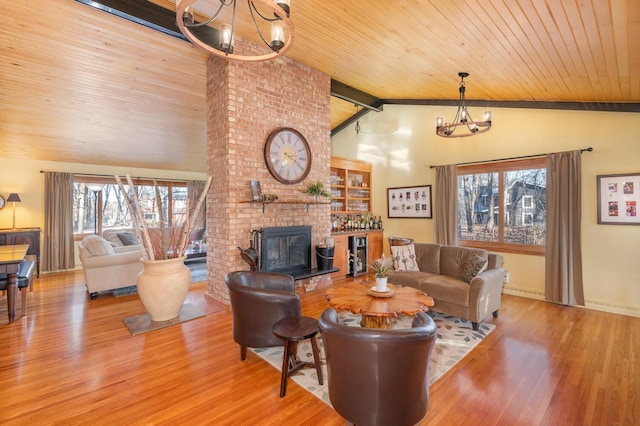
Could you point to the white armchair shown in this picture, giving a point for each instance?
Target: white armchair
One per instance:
(106, 267)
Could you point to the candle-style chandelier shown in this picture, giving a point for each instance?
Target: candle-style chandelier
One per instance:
(267, 16)
(463, 124)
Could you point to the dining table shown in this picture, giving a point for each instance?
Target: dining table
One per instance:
(10, 258)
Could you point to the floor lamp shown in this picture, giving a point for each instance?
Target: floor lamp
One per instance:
(14, 198)
(96, 188)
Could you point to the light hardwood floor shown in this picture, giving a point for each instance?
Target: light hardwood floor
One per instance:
(71, 360)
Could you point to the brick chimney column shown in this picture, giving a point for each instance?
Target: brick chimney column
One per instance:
(245, 102)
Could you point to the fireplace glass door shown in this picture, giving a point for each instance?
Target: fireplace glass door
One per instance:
(286, 249)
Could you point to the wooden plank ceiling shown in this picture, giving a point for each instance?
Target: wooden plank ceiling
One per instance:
(94, 88)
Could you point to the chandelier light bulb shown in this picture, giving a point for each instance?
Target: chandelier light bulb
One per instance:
(277, 35)
(188, 15)
(226, 36)
(284, 4)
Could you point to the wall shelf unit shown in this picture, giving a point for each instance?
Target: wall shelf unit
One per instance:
(350, 186)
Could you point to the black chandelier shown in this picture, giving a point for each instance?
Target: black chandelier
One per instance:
(266, 15)
(462, 122)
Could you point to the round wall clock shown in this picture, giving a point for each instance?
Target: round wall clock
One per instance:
(287, 155)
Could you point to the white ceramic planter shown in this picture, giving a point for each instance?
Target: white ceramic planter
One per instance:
(162, 286)
(381, 284)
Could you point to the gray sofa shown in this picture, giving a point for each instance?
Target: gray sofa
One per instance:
(447, 274)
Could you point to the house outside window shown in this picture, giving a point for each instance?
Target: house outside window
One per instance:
(99, 204)
(502, 206)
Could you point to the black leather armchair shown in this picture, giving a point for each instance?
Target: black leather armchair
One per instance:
(378, 377)
(259, 300)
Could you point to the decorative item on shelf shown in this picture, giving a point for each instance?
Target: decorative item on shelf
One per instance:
(14, 198)
(463, 119)
(216, 33)
(164, 282)
(381, 268)
(256, 191)
(269, 197)
(318, 190)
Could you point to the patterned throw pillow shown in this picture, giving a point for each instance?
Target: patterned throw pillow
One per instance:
(474, 265)
(404, 258)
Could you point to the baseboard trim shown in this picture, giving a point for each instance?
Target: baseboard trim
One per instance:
(589, 304)
(523, 293)
(613, 309)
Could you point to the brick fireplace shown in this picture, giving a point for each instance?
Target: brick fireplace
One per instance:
(246, 101)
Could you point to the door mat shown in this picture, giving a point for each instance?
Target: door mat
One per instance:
(142, 323)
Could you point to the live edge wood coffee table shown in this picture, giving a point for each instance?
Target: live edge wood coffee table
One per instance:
(378, 311)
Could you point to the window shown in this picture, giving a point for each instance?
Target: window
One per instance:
(99, 204)
(502, 206)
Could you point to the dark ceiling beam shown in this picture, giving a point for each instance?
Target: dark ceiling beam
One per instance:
(151, 15)
(349, 121)
(355, 96)
(575, 106)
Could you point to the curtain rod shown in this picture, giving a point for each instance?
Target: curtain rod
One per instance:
(510, 158)
(112, 176)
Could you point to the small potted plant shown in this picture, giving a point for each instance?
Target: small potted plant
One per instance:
(381, 268)
(318, 190)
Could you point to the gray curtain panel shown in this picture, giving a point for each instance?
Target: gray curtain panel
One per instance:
(563, 258)
(58, 250)
(446, 190)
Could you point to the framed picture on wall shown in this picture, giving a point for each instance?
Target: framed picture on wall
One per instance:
(409, 202)
(618, 199)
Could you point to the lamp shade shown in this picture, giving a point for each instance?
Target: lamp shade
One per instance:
(14, 197)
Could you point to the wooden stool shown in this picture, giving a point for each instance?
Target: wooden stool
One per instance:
(292, 330)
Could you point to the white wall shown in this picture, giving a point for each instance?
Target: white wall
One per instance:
(401, 143)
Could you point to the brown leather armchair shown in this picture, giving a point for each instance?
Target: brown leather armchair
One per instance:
(378, 377)
(259, 300)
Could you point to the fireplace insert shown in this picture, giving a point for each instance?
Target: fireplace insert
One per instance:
(286, 249)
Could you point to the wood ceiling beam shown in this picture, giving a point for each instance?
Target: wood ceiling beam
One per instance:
(355, 96)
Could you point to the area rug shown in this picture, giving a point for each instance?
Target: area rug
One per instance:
(142, 323)
(198, 271)
(455, 339)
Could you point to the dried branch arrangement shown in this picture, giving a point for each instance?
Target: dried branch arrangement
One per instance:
(163, 242)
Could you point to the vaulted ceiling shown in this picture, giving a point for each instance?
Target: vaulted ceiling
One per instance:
(91, 87)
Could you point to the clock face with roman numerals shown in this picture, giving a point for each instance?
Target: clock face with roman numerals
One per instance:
(287, 155)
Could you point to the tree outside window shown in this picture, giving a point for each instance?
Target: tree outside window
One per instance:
(502, 206)
(106, 208)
